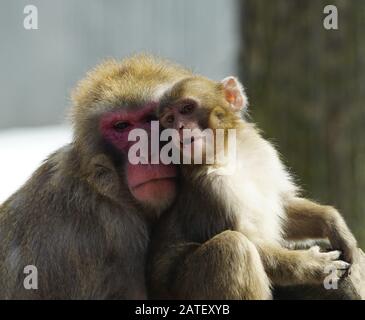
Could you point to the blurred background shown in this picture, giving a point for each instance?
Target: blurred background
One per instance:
(306, 84)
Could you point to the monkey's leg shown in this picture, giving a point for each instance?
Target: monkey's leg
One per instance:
(228, 266)
(295, 267)
(307, 219)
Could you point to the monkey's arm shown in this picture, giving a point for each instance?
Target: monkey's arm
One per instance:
(307, 219)
(295, 267)
(228, 266)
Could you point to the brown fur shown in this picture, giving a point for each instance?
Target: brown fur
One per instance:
(209, 245)
(74, 219)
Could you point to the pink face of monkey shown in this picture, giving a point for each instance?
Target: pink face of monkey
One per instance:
(153, 185)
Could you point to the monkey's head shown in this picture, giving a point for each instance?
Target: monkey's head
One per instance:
(197, 103)
(112, 100)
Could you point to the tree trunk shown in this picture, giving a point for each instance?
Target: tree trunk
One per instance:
(306, 86)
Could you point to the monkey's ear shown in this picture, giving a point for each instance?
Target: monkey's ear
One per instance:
(235, 93)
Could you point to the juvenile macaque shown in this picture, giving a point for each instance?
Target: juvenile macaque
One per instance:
(83, 219)
(223, 238)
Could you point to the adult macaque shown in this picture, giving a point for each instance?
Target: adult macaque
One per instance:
(83, 218)
(223, 238)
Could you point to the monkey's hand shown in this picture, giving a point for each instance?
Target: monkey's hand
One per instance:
(309, 220)
(348, 248)
(300, 267)
(340, 236)
(320, 264)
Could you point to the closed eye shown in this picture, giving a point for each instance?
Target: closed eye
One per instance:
(187, 109)
(169, 119)
(121, 125)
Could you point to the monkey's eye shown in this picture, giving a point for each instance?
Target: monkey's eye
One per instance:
(187, 109)
(170, 119)
(121, 125)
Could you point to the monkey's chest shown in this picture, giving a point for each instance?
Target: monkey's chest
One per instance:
(257, 216)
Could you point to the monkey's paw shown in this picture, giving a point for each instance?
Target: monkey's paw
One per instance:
(348, 248)
(323, 263)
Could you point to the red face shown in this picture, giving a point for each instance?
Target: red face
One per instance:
(153, 185)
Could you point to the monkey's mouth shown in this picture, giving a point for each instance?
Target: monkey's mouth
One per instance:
(155, 191)
(150, 182)
(155, 181)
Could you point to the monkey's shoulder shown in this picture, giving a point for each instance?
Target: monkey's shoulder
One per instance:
(56, 187)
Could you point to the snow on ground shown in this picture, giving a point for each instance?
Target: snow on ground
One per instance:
(23, 150)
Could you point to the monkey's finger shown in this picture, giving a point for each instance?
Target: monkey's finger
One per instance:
(349, 271)
(349, 255)
(341, 265)
(333, 255)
